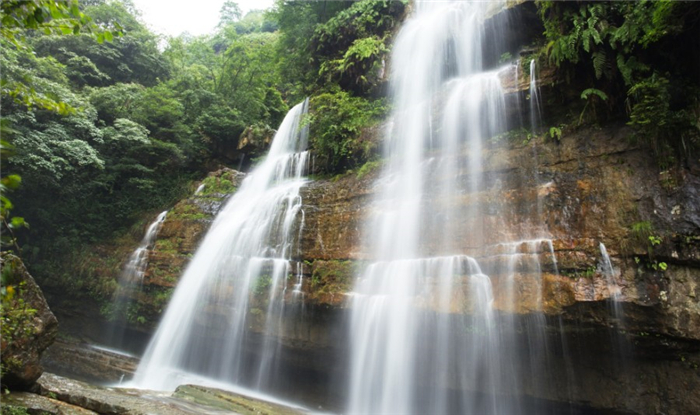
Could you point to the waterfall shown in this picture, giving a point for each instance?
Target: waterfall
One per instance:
(131, 281)
(535, 104)
(427, 330)
(614, 289)
(516, 82)
(232, 293)
(138, 261)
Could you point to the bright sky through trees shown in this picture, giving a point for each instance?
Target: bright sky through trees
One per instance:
(198, 17)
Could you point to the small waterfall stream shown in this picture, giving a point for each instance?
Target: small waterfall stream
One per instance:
(535, 104)
(130, 282)
(138, 261)
(236, 278)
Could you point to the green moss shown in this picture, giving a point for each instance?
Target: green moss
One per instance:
(575, 274)
(188, 211)
(161, 298)
(14, 410)
(262, 285)
(368, 167)
(218, 185)
(332, 277)
(165, 246)
(18, 324)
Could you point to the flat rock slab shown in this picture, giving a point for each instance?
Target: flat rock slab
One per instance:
(187, 400)
(229, 401)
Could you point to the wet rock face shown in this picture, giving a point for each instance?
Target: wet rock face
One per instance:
(592, 187)
(89, 362)
(28, 325)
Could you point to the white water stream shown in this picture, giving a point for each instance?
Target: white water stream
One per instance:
(138, 261)
(130, 283)
(425, 333)
(535, 104)
(242, 264)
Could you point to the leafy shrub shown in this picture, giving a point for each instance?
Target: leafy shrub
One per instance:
(337, 122)
(631, 56)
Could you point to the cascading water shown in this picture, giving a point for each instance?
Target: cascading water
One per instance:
(614, 298)
(130, 281)
(535, 104)
(237, 275)
(138, 261)
(427, 333)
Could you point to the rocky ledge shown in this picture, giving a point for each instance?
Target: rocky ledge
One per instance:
(58, 395)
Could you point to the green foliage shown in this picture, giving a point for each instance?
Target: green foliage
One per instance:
(352, 45)
(627, 53)
(671, 132)
(14, 410)
(361, 61)
(555, 133)
(51, 17)
(368, 167)
(595, 94)
(262, 285)
(332, 277)
(641, 231)
(255, 21)
(643, 235)
(134, 56)
(592, 91)
(8, 184)
(218, 185)
(337, 121)
(297, 62)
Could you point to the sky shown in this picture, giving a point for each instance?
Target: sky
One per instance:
(198, 17)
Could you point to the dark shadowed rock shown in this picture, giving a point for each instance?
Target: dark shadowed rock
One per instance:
(89, 362)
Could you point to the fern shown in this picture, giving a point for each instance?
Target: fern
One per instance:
(592, 91)
(599, 63)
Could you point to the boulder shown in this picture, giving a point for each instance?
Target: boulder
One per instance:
(28, 325)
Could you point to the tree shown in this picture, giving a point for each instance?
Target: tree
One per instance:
(229, 13)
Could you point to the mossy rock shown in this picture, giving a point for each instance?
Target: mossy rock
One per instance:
(331, 280)
(28, 325)
(229, 401)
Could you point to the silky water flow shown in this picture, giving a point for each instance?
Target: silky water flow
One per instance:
(241, 265)
(129, 284)
(437, 324)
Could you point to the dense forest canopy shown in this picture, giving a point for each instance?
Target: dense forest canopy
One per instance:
(108, 121)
